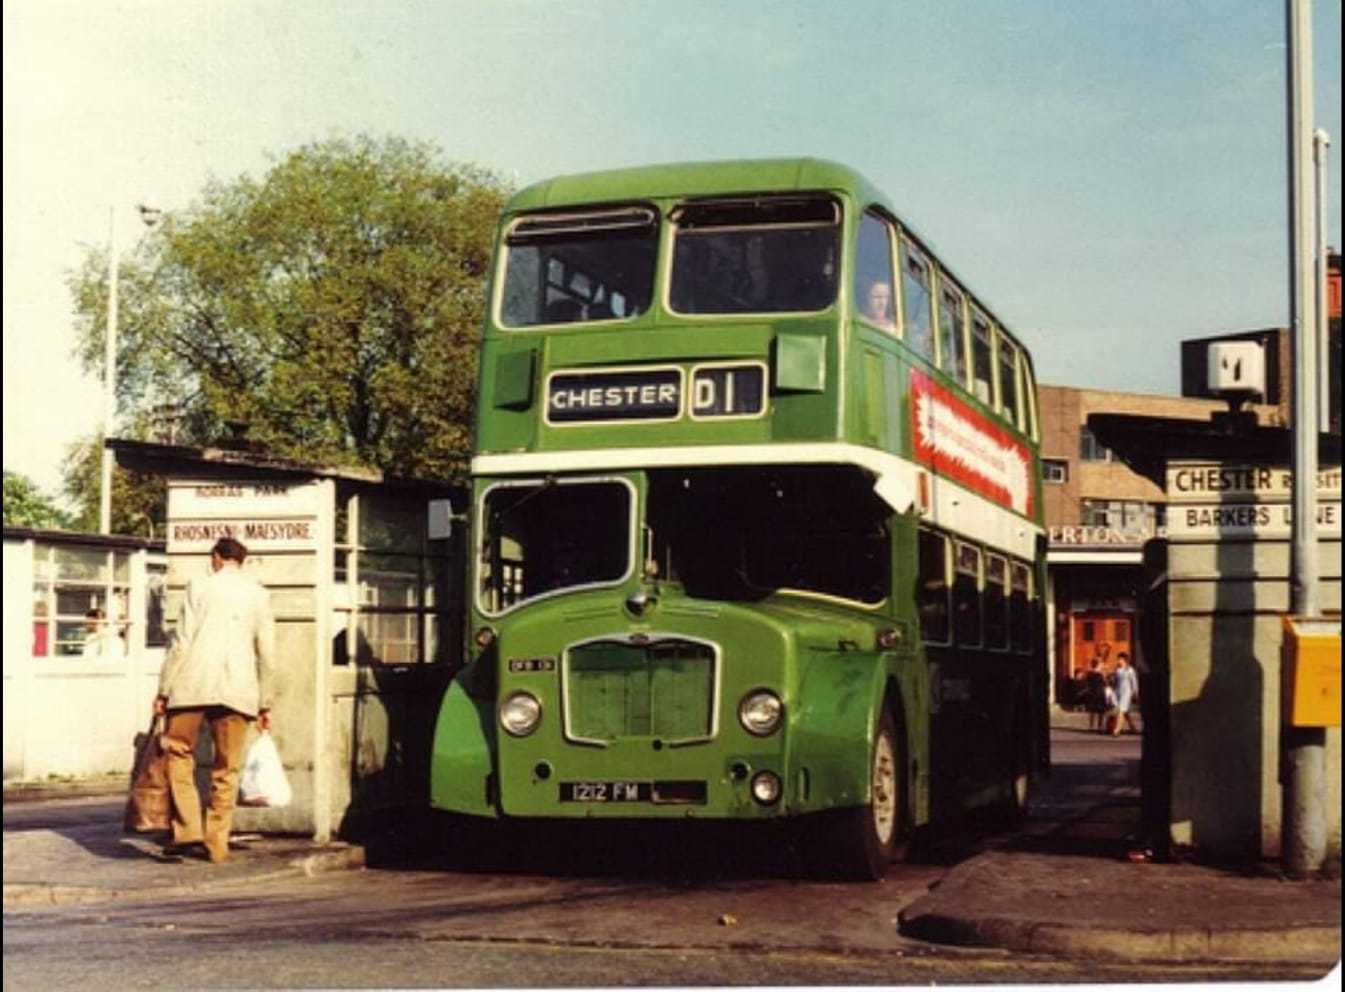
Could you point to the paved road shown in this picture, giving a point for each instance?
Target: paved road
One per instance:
(555, 908)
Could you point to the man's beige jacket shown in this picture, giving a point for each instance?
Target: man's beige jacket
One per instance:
(222, 652)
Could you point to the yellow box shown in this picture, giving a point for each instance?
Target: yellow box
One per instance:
(1311, 659)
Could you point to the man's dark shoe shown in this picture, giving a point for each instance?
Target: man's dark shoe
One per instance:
(173, 853)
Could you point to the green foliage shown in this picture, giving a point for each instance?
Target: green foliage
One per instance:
(139, 501)
(27, 506)
(334, 307)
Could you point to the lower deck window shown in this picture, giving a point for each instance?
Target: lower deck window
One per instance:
(932, 591)
(967, 595)
(996, 603)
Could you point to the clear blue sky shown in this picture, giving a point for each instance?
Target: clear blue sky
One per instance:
(1110, 176)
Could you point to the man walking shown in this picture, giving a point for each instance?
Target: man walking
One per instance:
(218, 672)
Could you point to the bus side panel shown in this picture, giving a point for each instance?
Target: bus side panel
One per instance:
(909, 690)
(840, 693)
(461, 766)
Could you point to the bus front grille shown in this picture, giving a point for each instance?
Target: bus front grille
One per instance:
(662, 689)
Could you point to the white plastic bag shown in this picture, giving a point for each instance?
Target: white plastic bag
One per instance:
(263, 782)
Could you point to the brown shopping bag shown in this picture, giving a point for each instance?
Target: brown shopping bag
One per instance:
(149, 806)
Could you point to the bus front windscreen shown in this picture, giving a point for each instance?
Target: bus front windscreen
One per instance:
(763, 255)
(564, 268)
(541, 538)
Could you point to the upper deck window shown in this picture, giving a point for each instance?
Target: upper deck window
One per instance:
(1008, 381)
(774, 254)
(982, 367)
(579, 266)
(952, 351)
(916, 299)
(875, 296)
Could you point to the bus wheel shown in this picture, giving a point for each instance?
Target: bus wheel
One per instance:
(865, 839)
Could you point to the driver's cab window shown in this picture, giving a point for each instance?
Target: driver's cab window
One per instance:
(875, 295)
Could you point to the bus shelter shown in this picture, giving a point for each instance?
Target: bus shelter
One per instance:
(1214, 617)
(365, 574)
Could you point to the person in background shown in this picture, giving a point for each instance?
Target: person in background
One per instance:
(218, 672)
(1095, 695)
(100, 640)
(1127, 693)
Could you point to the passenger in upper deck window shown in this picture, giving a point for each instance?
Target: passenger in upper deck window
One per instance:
(878, 305)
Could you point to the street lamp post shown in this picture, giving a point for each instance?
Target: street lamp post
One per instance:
(109, 378)
(1321, 150)
(150, 215)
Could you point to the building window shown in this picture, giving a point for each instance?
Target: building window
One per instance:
(1089, 448)
(81, 601)
(1118, 514)
(1055, 470)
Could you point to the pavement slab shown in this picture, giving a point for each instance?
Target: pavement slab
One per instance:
(1121, 910)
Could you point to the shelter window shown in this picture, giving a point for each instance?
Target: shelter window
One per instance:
(875, 293)
(579, 266)
(952, 350)
(81, 600)
(1055, 470)
(933, 592)
(762, 255)
(967, 595)
(402, 608)
(982, 365)
(916, 301)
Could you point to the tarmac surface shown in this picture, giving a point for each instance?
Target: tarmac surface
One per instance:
(1061, 886)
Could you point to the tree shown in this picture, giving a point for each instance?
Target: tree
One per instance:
(139, 501)
(27, 506)
(333, 307)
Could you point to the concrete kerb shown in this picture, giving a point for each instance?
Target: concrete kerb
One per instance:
(335, 858)
(1112, 943)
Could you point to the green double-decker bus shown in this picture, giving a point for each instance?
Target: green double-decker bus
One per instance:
(756, 518)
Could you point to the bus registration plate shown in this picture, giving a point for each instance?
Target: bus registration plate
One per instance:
(605, 792)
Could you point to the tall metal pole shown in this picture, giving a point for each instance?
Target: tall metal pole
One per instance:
(1321, 145)
(1304, 820)
(109, 378)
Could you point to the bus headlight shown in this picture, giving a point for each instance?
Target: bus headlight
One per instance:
(760, 712)
(766, 787)
(520, 714)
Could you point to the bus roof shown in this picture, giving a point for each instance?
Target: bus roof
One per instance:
(694, 179)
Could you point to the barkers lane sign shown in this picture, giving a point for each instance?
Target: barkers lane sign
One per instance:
(1210, 501)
